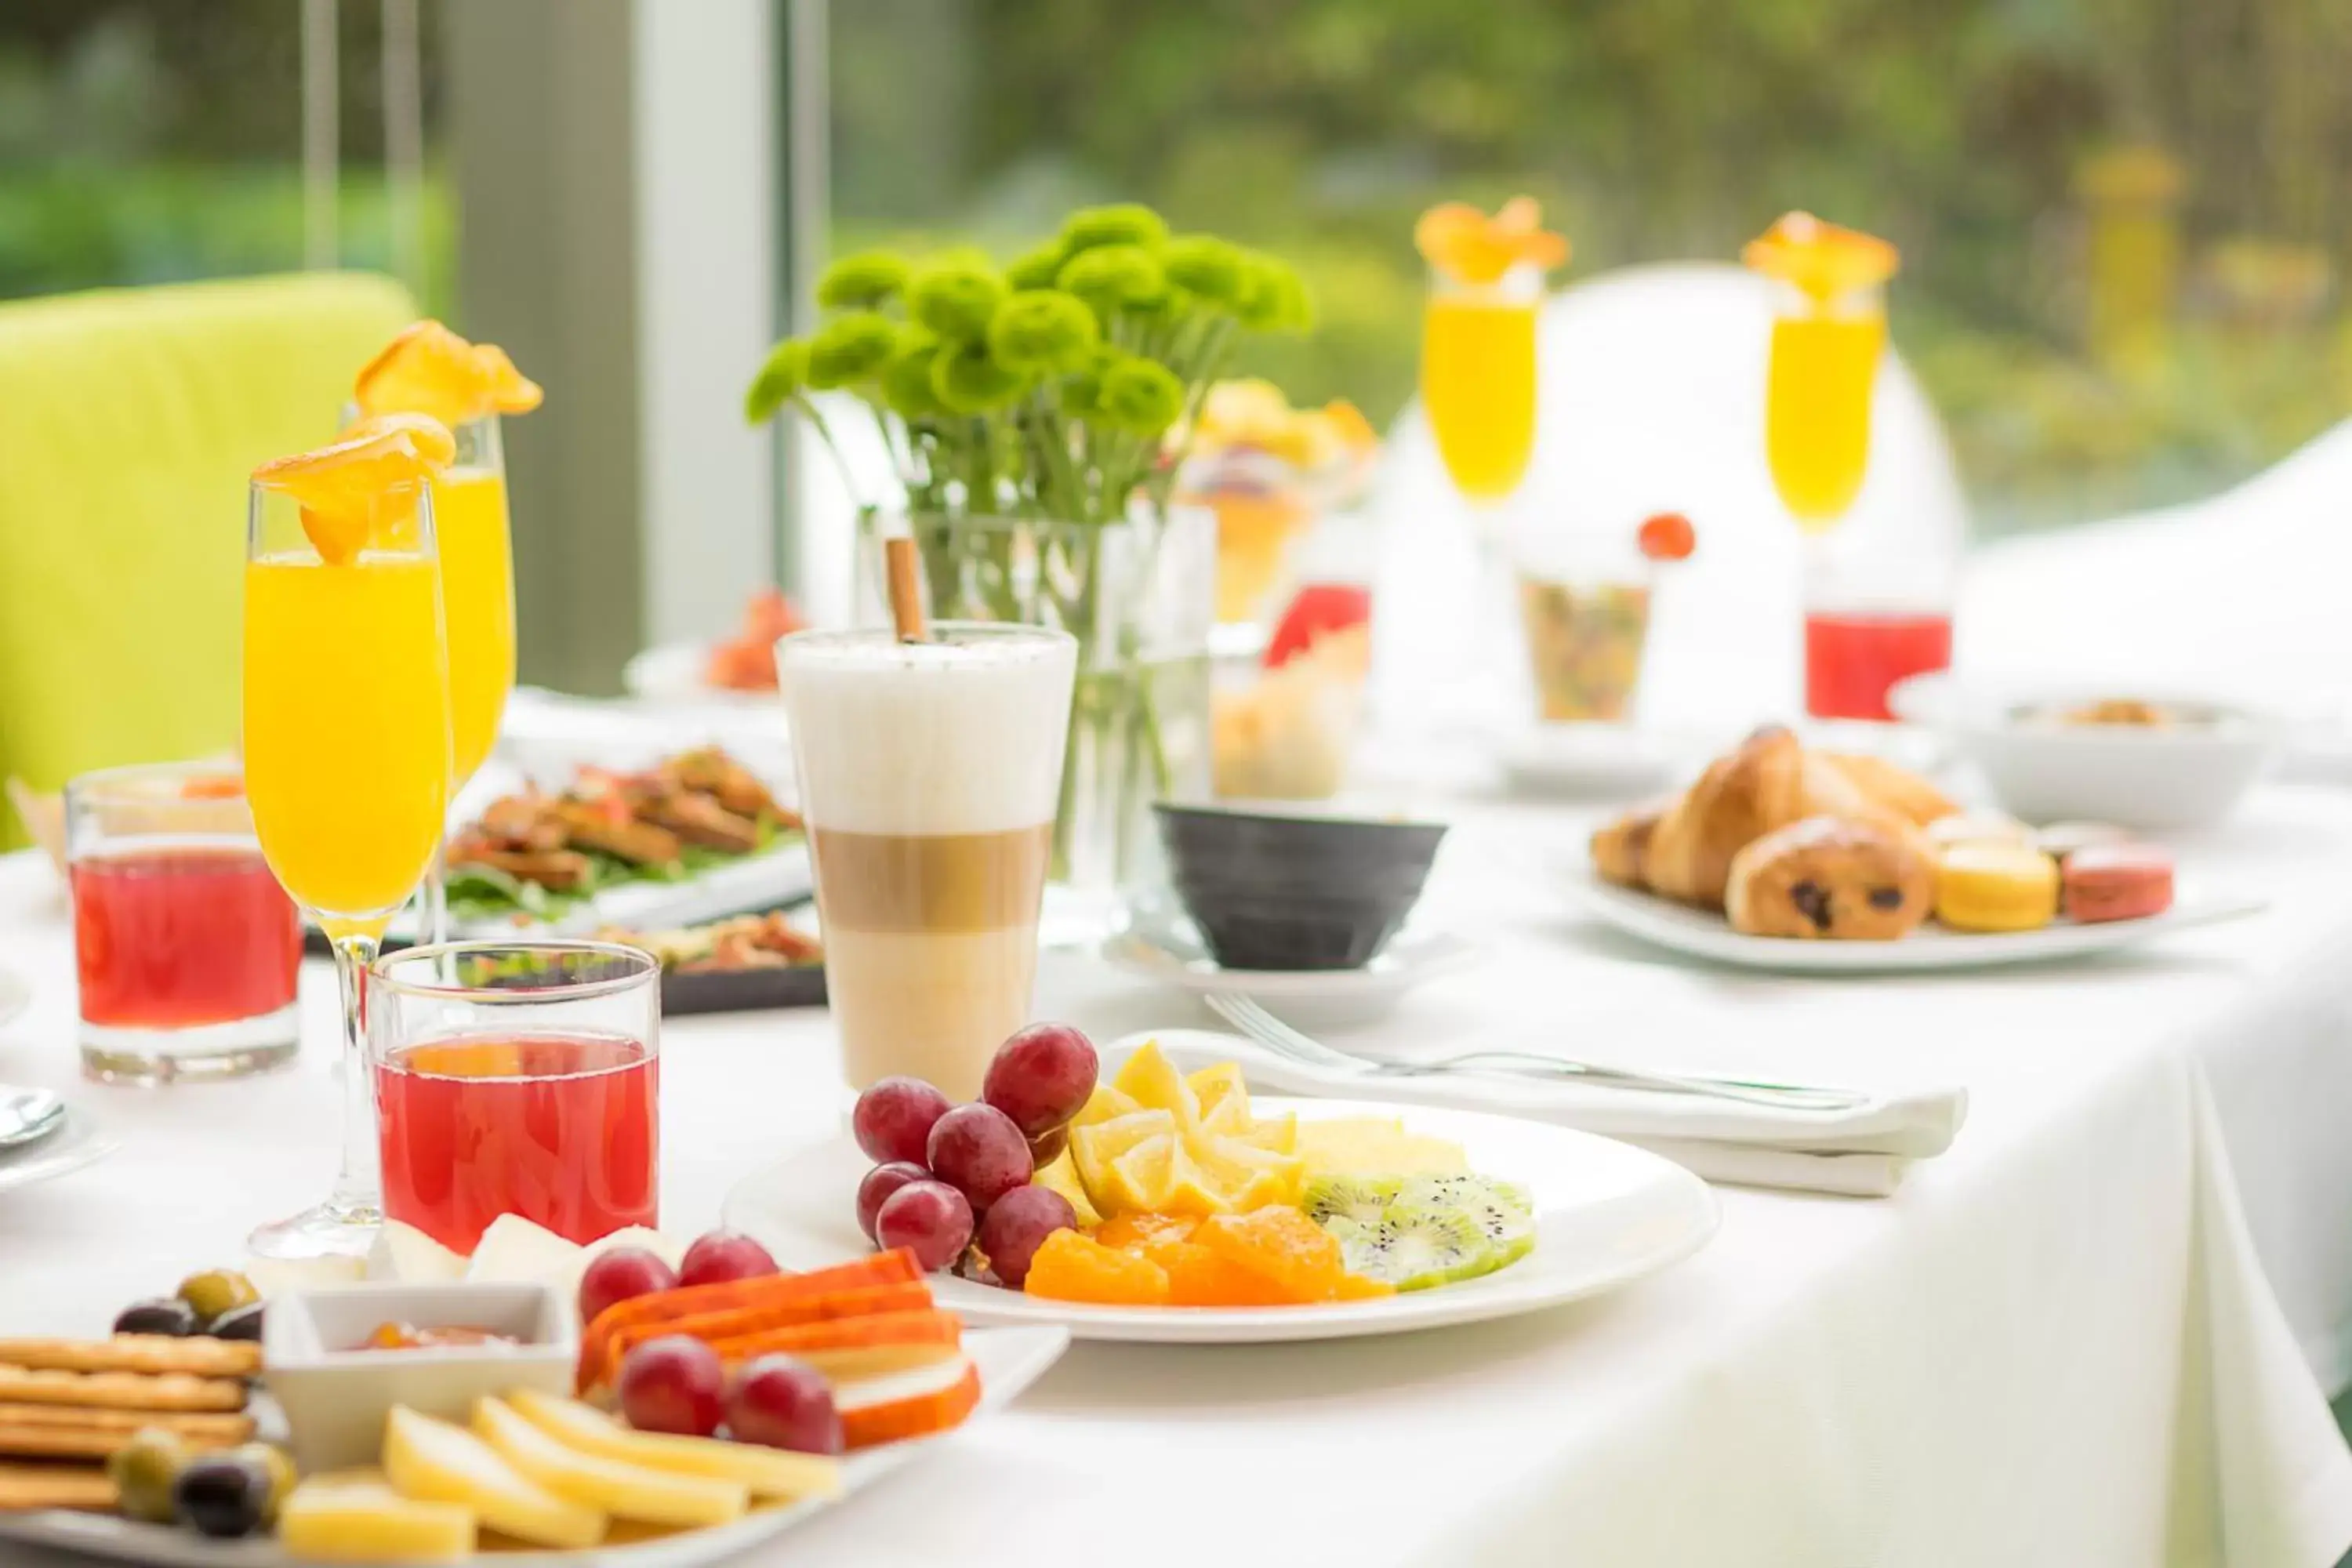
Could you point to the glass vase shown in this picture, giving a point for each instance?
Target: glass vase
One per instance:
(1139, 596)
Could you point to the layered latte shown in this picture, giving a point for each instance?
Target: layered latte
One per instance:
(930, 773)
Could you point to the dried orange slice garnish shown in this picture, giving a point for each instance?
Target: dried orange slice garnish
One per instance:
(1469, 246)
(1821, 258)
(428, 369)
(364, 483)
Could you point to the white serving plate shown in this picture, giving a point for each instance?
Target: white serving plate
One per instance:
(1607, 1214)
(1161, 946)
(1703, 934)
(673, 673)
(79, 1143)
(1009, 1362)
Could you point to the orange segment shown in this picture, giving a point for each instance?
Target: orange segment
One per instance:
(1821, 258)
(1466, 245)
(1143, 1231)
(1299, 1257)
(428, 369)
(1199, 1276)
(1070, 1267)
(1356, 1287)
(363, 484)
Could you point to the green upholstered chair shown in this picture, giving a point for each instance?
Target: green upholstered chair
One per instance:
(129, 421)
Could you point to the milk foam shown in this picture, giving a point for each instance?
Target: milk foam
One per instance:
(955, 736)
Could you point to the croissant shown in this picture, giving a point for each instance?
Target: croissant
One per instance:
(1747, 791)
(1620, 849)
(1899, 789)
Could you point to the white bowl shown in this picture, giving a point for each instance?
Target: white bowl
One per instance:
(336, 1397)
(2184, 775)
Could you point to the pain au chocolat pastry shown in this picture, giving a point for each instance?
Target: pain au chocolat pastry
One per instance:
(1829, 877)
(1898, 789)
(1996, 887)
(1620, 849)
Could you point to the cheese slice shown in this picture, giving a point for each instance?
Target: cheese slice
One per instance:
(406, 1255)
(767, 1472)
(354, 1516)
(432, 1461)
(616, 1486)
(514, 1251)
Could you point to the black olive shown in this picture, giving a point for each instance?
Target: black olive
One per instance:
(224, 1496)
(163, 1315)
(1885, 897)
(242, 1324)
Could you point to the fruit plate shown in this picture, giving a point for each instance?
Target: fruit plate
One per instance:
(1009, 1359)
(1607, 1214)
(1702, 934)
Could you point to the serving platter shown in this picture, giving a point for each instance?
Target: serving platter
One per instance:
(1009, 1359)
(1706, 935)
(1607, 1215)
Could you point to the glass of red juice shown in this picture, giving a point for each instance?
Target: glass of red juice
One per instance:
(518, 1078)
(1854, 658)
(186, 948)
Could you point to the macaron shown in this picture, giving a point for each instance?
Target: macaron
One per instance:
(2062, 839)
(2117, 882)
(1996, 887)
(1976, 828)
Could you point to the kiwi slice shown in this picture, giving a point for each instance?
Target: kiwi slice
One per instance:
(1503, 1210)
(1415, 1249)
(1364, 1199)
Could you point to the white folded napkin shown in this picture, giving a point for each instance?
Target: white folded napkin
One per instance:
(1859, 1153)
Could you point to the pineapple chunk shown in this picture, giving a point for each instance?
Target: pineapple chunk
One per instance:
(354, 1516)
(616, 1486)
(1375, 1146)
(767, 1472)
(432, 1461)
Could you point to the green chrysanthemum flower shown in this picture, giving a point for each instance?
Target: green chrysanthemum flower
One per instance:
(955, 298)
(1082, 389)
(862, 282)
(1122, 223)
(783, 375)
(1043, 331)
(905, 381)
(1141, 396)
(849, 349)
(1206, 266)
(966, 380)
(1112, 278)
(1273, 299)
(1038, 268)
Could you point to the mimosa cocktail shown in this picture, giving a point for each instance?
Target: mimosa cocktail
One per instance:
(1478, 340)
(347, 731)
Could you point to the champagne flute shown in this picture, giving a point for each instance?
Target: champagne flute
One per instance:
(347, 735)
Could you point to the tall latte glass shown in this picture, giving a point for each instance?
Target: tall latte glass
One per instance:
(929, 773)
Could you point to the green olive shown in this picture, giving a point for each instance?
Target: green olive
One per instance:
(144, 1471)
(217, 1292)
(279, 1466)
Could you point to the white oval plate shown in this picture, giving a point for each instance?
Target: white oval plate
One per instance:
(1701, 933)
(1161, 949)
(78, 1143)
(1009, 1361)
(1607, 1214)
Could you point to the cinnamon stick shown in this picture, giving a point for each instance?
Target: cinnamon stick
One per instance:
(905, 590)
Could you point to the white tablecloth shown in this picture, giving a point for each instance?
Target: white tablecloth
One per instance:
(2054, 1346)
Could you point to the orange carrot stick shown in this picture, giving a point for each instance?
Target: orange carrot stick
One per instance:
(741, 1323)
(596, 1362)
(917, 1416)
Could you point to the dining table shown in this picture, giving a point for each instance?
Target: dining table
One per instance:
(2100, 1327)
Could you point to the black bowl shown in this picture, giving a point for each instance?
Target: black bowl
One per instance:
(1273, 891)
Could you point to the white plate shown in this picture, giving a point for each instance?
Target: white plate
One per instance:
(1583, 761)
(1164, 948)
(673, 673)
(1700, 933)
(78, 1143)
(1607, 1214)
(16, 996)
(1009, 1361)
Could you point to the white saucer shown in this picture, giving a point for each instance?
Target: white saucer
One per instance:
(1583, 761)
(673, 673)
(1607, 1214)
(16, 996)
(1161, 945)
(78, 1143)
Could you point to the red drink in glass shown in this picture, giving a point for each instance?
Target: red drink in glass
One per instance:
(1853, 660)
(560, 1128)
(179, 937)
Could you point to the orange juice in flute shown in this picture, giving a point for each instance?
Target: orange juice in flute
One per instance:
(1478, 339)
(346, 729)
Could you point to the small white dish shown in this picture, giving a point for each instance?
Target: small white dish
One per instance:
(1583, 761)
(2153, 779)
(336, 1394)
(77, 1144)
(1703, 934)
(673, 673)
(16, 996)
(1607, 1214)
(1158, 943)
(1009, 1359)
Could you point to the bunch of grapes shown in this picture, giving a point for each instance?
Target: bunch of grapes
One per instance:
(948, 1175)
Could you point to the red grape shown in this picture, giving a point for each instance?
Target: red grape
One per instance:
(931, 1219)
(879, 1184)
(976, 1150)
(893, 1119)
(673, 1383)
(1047, 1147)
(619, 1274)
(720, 1256)
(1041, 1077)
(783, 1402)
(1017, 1224)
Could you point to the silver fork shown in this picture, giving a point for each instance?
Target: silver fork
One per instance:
(1284, 1041)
